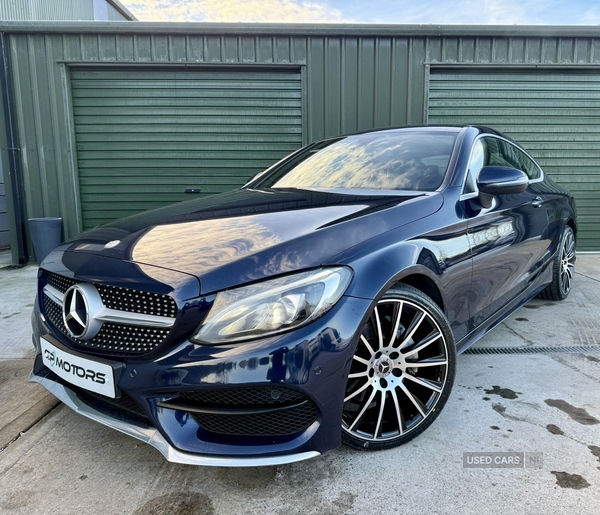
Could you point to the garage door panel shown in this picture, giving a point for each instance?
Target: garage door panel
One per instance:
(229, 111)
(180, 146)
(189, 119)
(515, 105)
(555, 115)
(145, 136)
(209, 94)
(198, 164)
(212, 86)
(147, 158)
(167, 138)
(154, 175)
(208, 129)
(176, 104)
(209, 73)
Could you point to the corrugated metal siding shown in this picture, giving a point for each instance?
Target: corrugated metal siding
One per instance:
(4, 236)
(114, 15)
(46, 10)
(351, 82)
(42, 89)
(144, 137)
(554, 114)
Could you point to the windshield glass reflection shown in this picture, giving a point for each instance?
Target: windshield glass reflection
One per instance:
(392, 161)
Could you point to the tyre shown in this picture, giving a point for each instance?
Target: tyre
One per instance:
(563, 268)
(401, 373)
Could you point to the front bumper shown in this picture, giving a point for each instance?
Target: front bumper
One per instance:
(153, 437)
(313, 360)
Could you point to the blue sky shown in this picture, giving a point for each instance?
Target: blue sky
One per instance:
(497, 12)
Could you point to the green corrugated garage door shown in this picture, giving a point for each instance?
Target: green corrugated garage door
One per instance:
(555, 115)
(145, 136)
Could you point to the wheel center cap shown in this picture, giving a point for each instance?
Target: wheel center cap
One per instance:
(383, 366)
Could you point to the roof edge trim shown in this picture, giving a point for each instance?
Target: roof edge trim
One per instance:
(270, 29)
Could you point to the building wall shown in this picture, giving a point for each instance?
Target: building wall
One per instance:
(57, 10)
(4, 235)
(350, 81)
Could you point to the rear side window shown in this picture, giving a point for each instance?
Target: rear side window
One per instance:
(489, 151)
(519, 160)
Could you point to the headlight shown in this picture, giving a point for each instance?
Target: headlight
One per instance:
(273, 306)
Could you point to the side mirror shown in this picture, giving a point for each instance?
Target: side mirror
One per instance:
(499, 180)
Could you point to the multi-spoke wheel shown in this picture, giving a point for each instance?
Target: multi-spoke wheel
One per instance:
(401, 373)
(563, 270)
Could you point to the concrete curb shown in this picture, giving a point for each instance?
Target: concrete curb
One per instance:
(27, 419)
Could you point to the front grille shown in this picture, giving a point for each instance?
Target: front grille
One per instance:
(116, 339)
(126, 338)
(54, 312)
(124, 407)
(135, 301)
(60, 282)
(244, 397)
(289, 411)
(276, 423)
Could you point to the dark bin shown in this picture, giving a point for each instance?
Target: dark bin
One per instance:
(45, 234)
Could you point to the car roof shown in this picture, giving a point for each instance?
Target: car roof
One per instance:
(423, 128)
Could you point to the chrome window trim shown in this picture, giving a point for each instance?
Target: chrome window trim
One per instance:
(467, 196)
(487, 135)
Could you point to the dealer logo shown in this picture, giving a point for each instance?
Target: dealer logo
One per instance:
(50, 356)
(81, 303)
(72, 368)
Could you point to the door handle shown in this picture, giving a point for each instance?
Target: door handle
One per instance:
(537, 201)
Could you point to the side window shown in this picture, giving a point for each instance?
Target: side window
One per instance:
(496, 156)
(485, 152)
(497, 152)
(519, 160)
(478, 160)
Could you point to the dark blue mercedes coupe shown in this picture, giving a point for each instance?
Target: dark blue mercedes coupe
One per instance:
(324, 302)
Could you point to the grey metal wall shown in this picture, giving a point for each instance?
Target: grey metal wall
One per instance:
(353, 77)
(4, 236)
(46, 10)
(114, 14)
(56, 10)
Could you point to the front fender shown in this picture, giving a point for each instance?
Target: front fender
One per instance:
(442, 255)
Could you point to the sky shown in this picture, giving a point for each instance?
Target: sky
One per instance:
(482, 12)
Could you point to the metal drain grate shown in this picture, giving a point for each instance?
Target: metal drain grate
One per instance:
(576, 349)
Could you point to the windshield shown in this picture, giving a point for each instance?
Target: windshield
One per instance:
(413, 161)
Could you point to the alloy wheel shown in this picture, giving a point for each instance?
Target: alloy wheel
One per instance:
(567, 259)
(398, 372)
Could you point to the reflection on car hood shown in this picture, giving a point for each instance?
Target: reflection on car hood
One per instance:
(246, 235)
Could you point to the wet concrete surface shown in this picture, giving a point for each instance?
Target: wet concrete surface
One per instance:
(66, 464)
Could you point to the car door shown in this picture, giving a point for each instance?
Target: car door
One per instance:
(509, 239)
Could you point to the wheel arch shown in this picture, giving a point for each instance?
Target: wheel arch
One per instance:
(426, 285)
(573, 225)
(408, 263)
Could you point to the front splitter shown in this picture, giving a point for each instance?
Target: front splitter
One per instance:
(153, 437)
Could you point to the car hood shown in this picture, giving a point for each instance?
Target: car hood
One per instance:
(246, 235)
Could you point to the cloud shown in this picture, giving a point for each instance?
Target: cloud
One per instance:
(265, 11)
(465, 12)
(592, 16)
(459, 12)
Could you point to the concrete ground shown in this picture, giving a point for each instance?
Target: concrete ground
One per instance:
(546, 403)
